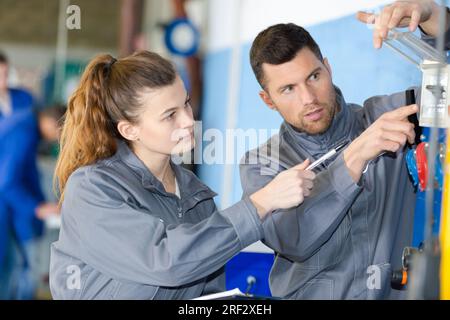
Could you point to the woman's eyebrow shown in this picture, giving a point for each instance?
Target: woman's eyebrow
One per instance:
(168, 110)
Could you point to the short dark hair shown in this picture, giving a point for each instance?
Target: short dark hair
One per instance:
(278, 44)
(3, 58)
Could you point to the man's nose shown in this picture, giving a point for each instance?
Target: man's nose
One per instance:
(307, 96)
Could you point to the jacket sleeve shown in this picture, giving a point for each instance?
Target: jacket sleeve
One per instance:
(215, 282)
(375, 106)
(299, 232)
(431, 40)
(130, 244)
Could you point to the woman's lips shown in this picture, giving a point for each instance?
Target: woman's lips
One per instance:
(315, 115)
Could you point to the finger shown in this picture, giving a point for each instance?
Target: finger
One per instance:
(302, 166)
(306, 192)
(403, 127)
(402, 112)
(391, 146)
(308, 184)
(397, 125)
(415, 20)
(412, 138)
(397, 137)
(397, 15)
(308, 175)
(411, 135)
(365, 17)
(377, 39)
(385, 17)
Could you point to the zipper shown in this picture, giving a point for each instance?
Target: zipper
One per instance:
(180, 210)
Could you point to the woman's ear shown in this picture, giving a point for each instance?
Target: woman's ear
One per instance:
(128, 130)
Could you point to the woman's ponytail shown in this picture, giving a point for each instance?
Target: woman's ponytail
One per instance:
(88, 133)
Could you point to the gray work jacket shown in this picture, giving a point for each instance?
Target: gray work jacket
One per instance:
(345, 239)
(124, 237)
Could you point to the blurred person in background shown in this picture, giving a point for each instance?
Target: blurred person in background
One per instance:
(22, 204)
(11, 100)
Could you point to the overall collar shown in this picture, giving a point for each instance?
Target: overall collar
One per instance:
(187, 181)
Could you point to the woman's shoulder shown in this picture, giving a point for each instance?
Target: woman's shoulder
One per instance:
(104, 174)
(98, 169)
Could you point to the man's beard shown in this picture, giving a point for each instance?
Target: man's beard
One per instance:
(320, 126)
(324, 123)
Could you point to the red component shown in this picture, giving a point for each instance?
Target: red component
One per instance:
(422, 165)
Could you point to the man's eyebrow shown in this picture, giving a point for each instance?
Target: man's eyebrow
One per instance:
(314, 71)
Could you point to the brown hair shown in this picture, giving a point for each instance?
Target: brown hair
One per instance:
(279, 44)
(108, 92)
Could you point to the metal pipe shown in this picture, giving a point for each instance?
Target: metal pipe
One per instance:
(61, 50)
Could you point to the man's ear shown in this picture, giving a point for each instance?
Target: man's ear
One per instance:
(327, 65)
(267, 100)
(128, 130)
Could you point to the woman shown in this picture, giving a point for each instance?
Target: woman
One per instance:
(134, 224)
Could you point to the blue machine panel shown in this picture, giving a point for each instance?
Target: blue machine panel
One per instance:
(247, 264)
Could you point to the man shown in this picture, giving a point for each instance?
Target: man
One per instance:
(21, 199)
(345, 239)
(11, 100)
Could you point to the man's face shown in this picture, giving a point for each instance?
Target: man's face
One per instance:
(3, 76)
(302, 91)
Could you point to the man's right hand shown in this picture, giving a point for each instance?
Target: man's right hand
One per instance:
(390, 133)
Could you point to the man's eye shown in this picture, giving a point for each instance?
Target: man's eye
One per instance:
(187, 103)
(315, 76)
(170, 116)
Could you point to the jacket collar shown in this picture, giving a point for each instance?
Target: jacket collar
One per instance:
(340, 131)
(188, 183)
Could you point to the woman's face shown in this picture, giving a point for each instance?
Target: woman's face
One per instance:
(166, 124)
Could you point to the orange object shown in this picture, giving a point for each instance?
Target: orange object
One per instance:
(404, 277)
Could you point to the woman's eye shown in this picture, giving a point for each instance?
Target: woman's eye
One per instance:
(170, 116)
(188, 103)
(287, 89)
